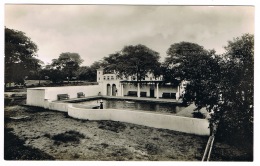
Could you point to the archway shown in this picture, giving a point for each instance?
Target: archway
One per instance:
(108, 90)
(114, 90)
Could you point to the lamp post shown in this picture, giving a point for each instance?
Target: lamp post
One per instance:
(101, 104)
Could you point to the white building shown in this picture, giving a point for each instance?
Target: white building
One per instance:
(149, 87)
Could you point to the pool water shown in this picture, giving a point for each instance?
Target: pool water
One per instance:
(136, 105)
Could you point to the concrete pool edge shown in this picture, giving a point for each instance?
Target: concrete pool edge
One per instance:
(150, 119)
(153, 100)
(46, 99)
(145, 118)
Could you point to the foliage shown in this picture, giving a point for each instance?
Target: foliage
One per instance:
(133, 61)
(68, 136)
(20, 53)
(237, 87)
(190, 61)
(68, 63)
(223, 84)
(112, 126)
(65, 67)
(152, 149)
(179, 52)
(179, 56)
(55, 74)
(85, 73)
(88, 73)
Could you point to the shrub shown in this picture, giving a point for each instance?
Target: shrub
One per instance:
(151, 148)
(112, 126)
(68, 136)
(198, 115)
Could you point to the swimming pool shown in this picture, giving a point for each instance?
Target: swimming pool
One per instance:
(136, 105)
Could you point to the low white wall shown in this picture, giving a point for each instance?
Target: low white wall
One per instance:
(38, 96)
(63, 107)
(91, 90)
(151, 119)
(35, 97)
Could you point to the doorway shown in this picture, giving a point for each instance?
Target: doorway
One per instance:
(108, 90)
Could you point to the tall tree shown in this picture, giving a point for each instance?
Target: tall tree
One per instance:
(68, 63)
(237, 88)
(191, 62)
(37, 72)
(20, 56)
(179, 55)
(132, 60)
(224, 86)
(87, 73)
(54, 73)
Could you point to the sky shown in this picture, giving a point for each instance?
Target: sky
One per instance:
(95, 31)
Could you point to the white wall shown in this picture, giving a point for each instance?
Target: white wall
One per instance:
(146, 118)
(63, 107)
(35, 97)
(110, 82)
(91, 90)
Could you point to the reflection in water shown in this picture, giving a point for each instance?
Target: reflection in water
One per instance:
(137, 105)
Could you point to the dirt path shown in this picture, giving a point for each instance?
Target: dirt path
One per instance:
(49, 132)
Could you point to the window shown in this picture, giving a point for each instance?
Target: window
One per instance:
(104, 77)
(107, 77)
(112, 77)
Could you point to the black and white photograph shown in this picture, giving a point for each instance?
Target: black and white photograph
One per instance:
(128, 82)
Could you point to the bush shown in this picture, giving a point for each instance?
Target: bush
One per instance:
(198, 115)
(151, 148)
(112, 126)
(68, 136)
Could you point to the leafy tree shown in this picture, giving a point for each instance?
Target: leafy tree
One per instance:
(179, 55)
(179, 52)
(96, 65)
(68, 63)
(37, 73)
(89, 73)
(20, 56)
(55, 74)
(133, 61)
(190, 61)
(86, 73)
(237, 88)
(111, 63)
(224, 85)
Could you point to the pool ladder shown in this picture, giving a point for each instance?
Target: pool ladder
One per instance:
(207, 152)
